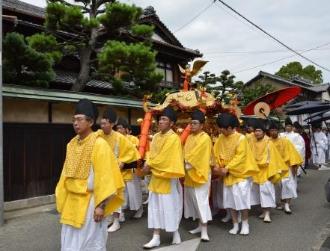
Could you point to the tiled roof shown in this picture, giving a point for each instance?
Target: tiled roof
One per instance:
(312, 88)
(321, 88)
(24, 8)
(149, 14)
(302, 81)
(67, 77)
(195, 52)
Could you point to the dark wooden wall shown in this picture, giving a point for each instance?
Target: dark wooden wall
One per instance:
(33, 158)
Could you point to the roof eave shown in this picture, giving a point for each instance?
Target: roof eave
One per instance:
(279, 79)
(192, 53)
(16, 91)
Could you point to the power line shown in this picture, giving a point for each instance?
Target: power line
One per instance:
(248, 52)
(255, 52)
(195, 17)
(274, 38)
(235, 17)
(257, 66)
(280, 59)
(239, 19)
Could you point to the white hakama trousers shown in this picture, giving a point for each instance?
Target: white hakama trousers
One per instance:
(165, 210)
(289, 187)
(318, 156)
(133, 194)
(91, 237)
(217, 194)
(263, 194)
(196, 202)
(237, 196)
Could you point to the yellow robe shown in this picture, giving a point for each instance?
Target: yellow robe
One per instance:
(288, 152)
(197, 152)
(72, 196)
(123, 149)
(249, 136)
(233, 152)
(134, 140)
(165, 160)
(269, 161)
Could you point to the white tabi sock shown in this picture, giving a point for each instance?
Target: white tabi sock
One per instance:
(267, 217)
(115, 225)
(287, 208)
(154, 242)
(245, 228)
(196, 230)
(235, 229)
(138, 213)
(204, 235)
(176, 237)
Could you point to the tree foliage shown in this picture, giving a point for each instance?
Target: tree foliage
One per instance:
(95, 21)
(205, 79)
(252, 93)
(29, 61)
(295, 69)
(223, 87)
(46, 44)
(133, 63)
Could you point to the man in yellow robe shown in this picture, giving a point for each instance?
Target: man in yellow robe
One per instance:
(133, 191)
(124, 151)
(90, 187)
(270, 164)
(131, 137)
(165, 162)
(292, 160)
(235, 162)
(247, 128)
(197, 157)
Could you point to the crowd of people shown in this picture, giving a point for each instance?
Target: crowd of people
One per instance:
(102, 175)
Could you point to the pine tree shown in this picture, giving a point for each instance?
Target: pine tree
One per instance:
(29, 61)
(223, 87)
(127, 54)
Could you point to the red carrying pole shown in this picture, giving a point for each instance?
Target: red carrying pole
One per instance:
(185, 134)
(145, 126)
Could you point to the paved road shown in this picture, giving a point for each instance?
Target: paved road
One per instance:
(306, 228)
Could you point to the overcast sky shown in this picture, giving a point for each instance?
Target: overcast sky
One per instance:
(230, 43)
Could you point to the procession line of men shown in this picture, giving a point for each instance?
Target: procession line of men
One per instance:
(97, 179)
